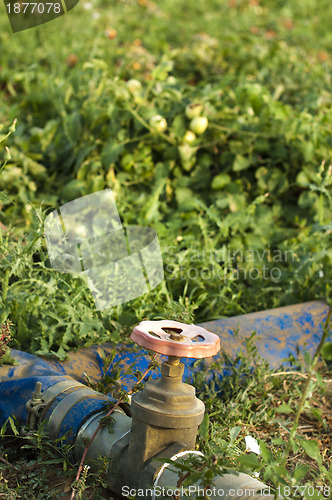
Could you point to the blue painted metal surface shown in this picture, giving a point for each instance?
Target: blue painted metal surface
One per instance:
(279, 333)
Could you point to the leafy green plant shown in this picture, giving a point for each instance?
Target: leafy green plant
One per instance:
(34, 456)
(4, 341)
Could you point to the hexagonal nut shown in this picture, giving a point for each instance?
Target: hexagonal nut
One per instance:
(172, 370)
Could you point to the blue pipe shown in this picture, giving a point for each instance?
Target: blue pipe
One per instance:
(280, 333)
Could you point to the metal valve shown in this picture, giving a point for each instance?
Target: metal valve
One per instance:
(167, 410)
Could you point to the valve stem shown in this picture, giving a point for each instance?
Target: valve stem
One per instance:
(173, 360)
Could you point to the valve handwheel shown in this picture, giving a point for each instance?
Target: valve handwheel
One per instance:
(176, 339)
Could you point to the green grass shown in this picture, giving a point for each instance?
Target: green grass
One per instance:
(251, 195)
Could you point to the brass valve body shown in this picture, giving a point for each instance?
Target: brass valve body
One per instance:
(164, 412)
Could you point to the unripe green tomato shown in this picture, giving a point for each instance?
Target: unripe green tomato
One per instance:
(127, 161)
(138, 99)
(189, 137)
(122, 93)
(193, 110)
(134, 86)
(158, 123)
(302, 178)
(188, 156)
(171, 80)
(199, 124)
(186, 152)
(220, 181)
(327, 349)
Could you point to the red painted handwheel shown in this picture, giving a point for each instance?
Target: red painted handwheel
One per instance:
(176, 339)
